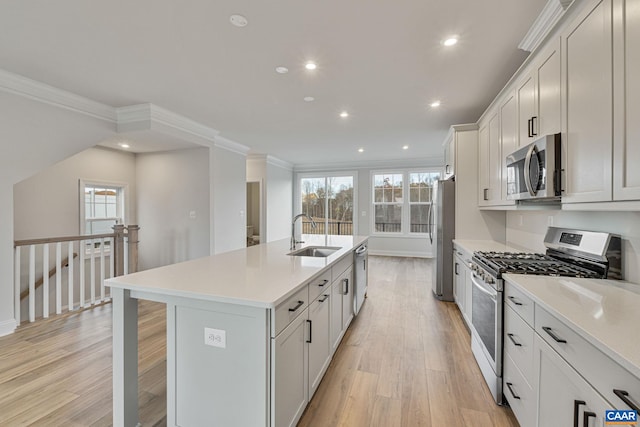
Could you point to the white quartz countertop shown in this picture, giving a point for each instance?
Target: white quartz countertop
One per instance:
(487, 246)
(604, 312)
(260, 276)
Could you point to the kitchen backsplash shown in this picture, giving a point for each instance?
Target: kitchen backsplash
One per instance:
(527, 229)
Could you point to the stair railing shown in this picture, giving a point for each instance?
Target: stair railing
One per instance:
(100, 257)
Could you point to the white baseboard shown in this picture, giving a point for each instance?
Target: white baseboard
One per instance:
(7, 327)
(406, 254)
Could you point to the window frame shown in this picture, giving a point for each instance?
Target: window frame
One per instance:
(297, 200)
(405, 226)
(122, 205)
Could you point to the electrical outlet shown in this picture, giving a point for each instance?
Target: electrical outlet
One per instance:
(364, 213)
(192, 214)
(215, 337)
(550, 221)
(520, 220)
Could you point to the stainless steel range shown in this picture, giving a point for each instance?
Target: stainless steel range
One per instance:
(571, 253)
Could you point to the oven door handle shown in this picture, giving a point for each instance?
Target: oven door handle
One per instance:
(493, 294)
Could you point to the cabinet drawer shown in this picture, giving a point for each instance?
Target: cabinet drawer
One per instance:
(290, 309)
(340, 266)
(603, 373)
(320, 284)
(520, 303)
(519, 393)
(518, 343)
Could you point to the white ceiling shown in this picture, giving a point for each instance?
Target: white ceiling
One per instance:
(381, 60)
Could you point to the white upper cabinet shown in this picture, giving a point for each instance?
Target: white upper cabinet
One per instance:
(587, 136)
(538, 92)
(626, 173)
(509, 138)
(449, 156)
(489, 163)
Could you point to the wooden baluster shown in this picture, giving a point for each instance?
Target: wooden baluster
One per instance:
(118, 249)
(32, 283)
(102, 277)
(45, 280)
(70, 275)
(16, 289)
(82, 247)
(59, 278)
(112, 261)
(125, 257)
(92, 271)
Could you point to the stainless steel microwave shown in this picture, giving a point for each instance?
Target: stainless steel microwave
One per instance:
(534, 171)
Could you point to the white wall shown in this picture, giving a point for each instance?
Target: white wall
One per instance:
(48, 203)
(279, 202)
(33, 135)
(531, 233)
(170, 185)
(229, 200)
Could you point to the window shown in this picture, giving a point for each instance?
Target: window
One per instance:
(329, 201)
(393, 211)
(101, 207)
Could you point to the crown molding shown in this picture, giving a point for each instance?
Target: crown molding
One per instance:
(544, 23)
(274, 161)
(428, 162)
(234, 147)
(38, 91)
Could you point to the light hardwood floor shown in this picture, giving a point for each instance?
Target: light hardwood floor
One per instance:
(405, 361)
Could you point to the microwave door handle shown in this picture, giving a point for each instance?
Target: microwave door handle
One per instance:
(527, 165)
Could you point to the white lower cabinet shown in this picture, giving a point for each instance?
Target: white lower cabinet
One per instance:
(347, 298)
(290, 377)
(462, 283)
(335, 308)
(565, 398)
(319, 345)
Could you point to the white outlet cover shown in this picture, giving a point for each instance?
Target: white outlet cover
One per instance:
(192, 214)
(215, 337)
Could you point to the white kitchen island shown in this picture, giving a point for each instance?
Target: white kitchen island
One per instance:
(245, 332)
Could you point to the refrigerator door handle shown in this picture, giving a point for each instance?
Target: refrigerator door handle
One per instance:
(429, 223)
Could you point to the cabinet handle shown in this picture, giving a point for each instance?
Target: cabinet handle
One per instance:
(486, 194)
(300, 303)
(446, 169)
(533, 126)
(624, 396)
(324, 299)
(310, 323)
(456, 269)
(514, 300)
(587, 415)
(346, 286)
(576, 411)
(324, 282)
(510, 386)
(516, 343)
(553, 335)
(529, 128)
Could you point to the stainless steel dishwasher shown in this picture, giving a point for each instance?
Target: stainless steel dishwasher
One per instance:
(361, 279)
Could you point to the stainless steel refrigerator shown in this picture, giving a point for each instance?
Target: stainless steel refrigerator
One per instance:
(441, 234)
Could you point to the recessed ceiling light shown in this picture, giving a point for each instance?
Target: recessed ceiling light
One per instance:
(309, 98)
(123, 145)
(238, 20)
(405, 147)
(435, 104)
(282, 70)
(450, 41)
(344, 114)
(360, 150)
(310, 65)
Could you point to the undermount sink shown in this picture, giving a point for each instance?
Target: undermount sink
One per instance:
(315, 251)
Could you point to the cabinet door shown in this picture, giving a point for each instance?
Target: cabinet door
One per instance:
(289, 389)
(319, 345)
(347, 299)
(468, 309)
(526, 110)
(627, 101)
(483, 165)
(335, 307)
(548, 100)
(458, 283)
(508, 140)
(449, 156)
(495, 161)
(587, 106)
(565, 398)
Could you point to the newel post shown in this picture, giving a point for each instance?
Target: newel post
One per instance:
(133, 247)
(118, 250)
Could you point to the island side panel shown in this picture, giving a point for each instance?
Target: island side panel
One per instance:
(125, 358)
(221, 376)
